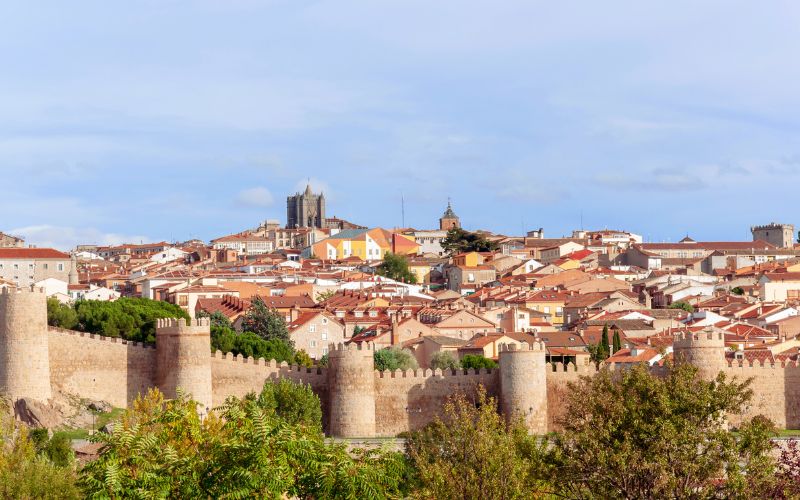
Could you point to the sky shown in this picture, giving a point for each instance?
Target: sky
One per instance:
(172, 119)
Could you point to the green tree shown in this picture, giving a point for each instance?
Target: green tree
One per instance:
(471, 452)
(26, 470)
(265, 322)
(682, 305)
(444, 360)
(248, 344)
(477, 361)
(394, 358)
(396, 267)
(301, 358)
(217, 319)
(737, 290)
(129, 318)
(294, 403)
(601, 351)
(323, 296)
(458, 240)
(264, 446)
(61, 315)
(617, 341)
(635, 435)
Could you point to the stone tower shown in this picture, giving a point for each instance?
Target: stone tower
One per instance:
(780, 235)
(24, 353)
(183, 359)
(351, 382)
(305, 210)
(705, 350)
(449, 219)
(523, 384)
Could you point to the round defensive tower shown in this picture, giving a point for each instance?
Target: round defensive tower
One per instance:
(183, 359)
(704, 349)
(523, 384)
(351, 382)
(24, 353)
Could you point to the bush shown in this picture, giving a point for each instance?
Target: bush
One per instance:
(394, 358)
(444, 360)
(61, 315)
(128, 318)
(249, 344)
(477, 361)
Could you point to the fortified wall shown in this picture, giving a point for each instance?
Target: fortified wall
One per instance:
(357, 400)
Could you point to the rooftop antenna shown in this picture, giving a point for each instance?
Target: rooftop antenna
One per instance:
(581, 219)
(403, 209)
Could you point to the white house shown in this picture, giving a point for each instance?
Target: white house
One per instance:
(168, 255)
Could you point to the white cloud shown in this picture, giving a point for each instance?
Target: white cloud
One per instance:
(66, 237)
(255, 197)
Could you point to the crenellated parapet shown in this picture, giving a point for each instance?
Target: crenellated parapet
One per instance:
(183, 359)
(523, 384)
(351, 389)
(705, 350)
(24, 354)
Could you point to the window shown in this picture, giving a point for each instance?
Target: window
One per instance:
(44, 265)
(30, 266)
(521, 315)
(559, 312)
(324, 351)
(324, 321)
(312, 328)
(471, 277)
(16, 266)
(547, 309)
(60, 266)
(183, 300)
(312, 343)
(324, 335)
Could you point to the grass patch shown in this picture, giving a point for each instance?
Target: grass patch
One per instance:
(789, 433)
(100, 420)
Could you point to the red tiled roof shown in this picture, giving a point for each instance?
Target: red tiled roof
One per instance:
(32, 253)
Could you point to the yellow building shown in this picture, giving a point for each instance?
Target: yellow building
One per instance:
(550, 302)
(366, 244)
(468, 259)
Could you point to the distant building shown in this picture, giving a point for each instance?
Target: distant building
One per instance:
(780, 235)
(305, 210)
(26, 266)
(449, 219)
(8, 241)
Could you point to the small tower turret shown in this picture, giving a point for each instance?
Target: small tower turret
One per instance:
(449, 219)
(183, 359)
(705, 350)
(523, 384)
(351, 382)
(24, 352)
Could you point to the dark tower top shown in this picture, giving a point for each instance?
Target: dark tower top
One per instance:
(306, 209)
(449, 219)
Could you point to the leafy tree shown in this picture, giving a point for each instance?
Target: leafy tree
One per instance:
(396, 267)
(737, 290)
(255, 447)
(249, 344)
(301, 358)
(323, 361)
(294, 403)
(61, 315)
(265, 322)
(634, 435)
(682, 305)
(477, 361)
(129, 318)
(470, 452)
(217, 319)
(394, 358)
(617, 341)
(601, 351)
(458, 240)
(444, 360)
(26, 471)
(323, 296)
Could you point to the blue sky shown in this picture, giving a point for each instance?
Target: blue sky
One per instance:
(169, 119)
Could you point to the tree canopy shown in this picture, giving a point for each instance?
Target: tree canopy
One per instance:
(477, 361)
(265, 322)
(396, 267)
(458, 240)
(635, 435)
(130, 318)
(394, 358)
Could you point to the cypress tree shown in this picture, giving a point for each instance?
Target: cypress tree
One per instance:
(604, 347)
(617, 342)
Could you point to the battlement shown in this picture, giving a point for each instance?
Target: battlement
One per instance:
(100, 338)
(522, 347)
(706, 338)
(22, 291)
(430, 373)
(744, 363)
(268, 363)
(359, 346)
(181, 323)
(770, 226)
(584, 369)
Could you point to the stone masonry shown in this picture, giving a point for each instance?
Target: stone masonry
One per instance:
(357, 400)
